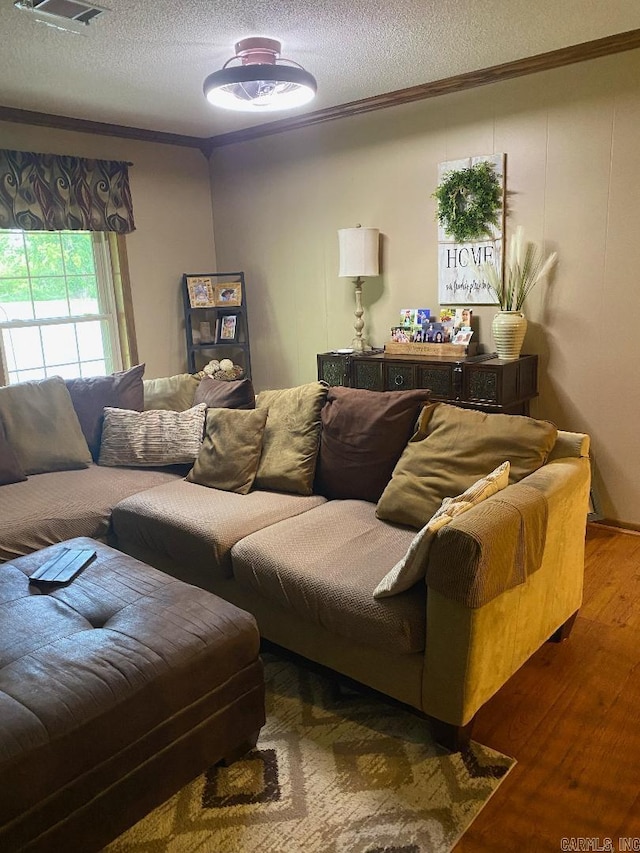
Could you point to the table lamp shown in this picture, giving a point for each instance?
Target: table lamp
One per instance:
(359, 256)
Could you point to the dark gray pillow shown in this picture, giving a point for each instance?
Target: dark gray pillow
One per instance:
(90, 395)
(10, 468)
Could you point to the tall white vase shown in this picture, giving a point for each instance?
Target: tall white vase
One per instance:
(509, 329)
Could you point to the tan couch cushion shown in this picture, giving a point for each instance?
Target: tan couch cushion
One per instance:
(42, 426)
(170, 392)
(413, 566)
(324, 566)
(49, 508)
(231, 449)
(291, 438)
(453, 448)
(196, 526)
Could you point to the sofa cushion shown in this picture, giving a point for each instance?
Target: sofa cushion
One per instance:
(325, 564)
(231, 449)
(453, 448)
(10, 468)
(152, 438)
(196, 526)
(42, 426)
(49, 508)
(413, 566)
(91, 394)
(291, 438)
(175, 393)
(219, 394)
(363, 434)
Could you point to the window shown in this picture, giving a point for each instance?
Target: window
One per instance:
(57, 305)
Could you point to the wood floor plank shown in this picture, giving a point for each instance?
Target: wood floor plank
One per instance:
(571, 717)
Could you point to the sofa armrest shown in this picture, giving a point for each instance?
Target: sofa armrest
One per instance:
(569, 445)
(472, 651)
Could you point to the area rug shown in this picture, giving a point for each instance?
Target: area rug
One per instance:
(334, 771)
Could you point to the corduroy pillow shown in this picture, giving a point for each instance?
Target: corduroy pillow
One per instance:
(291, 438)
(231, 449)
(451, 449)
(363, 435)
(10, 469)
(151, 439)
(413, 566)
(171, 393)
(220, 394)
(90, 395)
(42, 426)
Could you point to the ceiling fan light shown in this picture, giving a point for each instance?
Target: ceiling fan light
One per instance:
(259, 84)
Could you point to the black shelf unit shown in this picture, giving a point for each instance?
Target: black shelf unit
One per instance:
(204, 323)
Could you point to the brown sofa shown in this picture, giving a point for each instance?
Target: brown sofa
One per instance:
(306, 566)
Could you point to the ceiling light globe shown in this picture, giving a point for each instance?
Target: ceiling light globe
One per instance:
(260, 88)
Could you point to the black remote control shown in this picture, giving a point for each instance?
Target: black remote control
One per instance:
(63, 567)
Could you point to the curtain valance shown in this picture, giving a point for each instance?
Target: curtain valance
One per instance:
(50, 192)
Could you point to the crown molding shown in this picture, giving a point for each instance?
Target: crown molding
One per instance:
(595, 49)
(81, 125)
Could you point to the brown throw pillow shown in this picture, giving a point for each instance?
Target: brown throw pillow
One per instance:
(219, 394)
(231, 449)
(291, 438)
(42, 426)
(363, 435)
(90, 395)
(10, 469)
(453, 448)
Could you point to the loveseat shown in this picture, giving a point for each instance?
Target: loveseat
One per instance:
(310, 511)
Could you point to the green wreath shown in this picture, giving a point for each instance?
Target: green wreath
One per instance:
(469, 201)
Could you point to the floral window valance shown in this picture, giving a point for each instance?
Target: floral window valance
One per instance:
(49, 192)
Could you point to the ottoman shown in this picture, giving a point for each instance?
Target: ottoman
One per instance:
(115, 691)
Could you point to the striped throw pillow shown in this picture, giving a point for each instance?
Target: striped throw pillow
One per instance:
(152, 438)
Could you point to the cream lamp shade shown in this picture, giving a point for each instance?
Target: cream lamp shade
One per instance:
(359, 252)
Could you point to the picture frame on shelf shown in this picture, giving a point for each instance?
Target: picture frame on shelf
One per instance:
(207, 336)
(228, 333)
(229, 294)
(201, 292)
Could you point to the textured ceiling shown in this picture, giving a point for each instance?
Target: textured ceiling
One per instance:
(143, 64)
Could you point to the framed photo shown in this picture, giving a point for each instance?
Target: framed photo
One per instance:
(228, 328)
(206, 337)
(201, 292)
(228, 294)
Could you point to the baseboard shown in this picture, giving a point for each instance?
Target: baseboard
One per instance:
(618, 526)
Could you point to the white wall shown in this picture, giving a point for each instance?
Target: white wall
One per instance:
(174, 228)
(573, 181)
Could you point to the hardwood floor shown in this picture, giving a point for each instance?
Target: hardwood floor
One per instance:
(571, 718)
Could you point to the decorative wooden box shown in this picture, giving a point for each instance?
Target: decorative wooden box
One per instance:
(430, 349)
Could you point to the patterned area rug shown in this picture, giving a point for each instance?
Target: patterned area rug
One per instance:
(334, 771)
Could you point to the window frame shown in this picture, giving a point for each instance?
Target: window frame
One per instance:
(114, 297)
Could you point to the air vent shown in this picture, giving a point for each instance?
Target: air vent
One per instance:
(64, 14)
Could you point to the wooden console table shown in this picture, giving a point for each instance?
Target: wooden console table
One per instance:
(482, 382)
